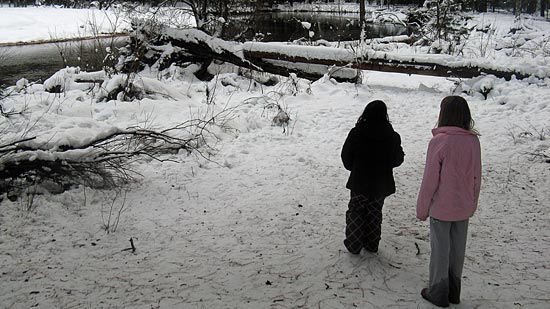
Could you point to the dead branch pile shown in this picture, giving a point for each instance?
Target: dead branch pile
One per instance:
(102, 163)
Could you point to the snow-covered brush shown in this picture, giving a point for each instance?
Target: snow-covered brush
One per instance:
(294, 85)
(521, 134)
(112, 209)
(282, 119)
(540, 155)
(273, 109)
(479, 85)
(100, 162)
(122, 87)
(6, 109)
(441, 25)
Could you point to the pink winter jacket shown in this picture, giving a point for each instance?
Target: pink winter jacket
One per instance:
(452, 176)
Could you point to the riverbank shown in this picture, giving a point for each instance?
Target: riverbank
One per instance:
(38, 25)
(34, 25)
(36, 62)
(84, 38)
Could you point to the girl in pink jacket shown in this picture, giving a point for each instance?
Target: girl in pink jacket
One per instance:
(448, 195)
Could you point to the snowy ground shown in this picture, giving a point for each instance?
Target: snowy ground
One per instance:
(262, 226)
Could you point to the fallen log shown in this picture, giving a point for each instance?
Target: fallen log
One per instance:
(433, 65)
(204, 46)
(312, 62)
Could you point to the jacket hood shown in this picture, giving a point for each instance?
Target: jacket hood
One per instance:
(452, 131)
(375, 130)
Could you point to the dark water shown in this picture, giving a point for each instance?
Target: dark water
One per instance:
(283, 27)
(40, 61)
(37, 62)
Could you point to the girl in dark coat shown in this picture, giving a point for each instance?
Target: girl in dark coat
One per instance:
(371, 151)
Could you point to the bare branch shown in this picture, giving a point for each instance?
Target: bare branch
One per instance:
(103, 162)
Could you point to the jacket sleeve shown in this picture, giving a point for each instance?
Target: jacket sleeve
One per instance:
(347, 151)
(430, 181)
(398, 154)
(477, 179)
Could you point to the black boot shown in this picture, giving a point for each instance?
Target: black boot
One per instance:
(426, 296)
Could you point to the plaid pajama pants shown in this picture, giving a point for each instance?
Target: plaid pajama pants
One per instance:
(363, 223)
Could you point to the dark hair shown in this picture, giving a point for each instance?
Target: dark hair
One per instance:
(454, 112)
(375, 111)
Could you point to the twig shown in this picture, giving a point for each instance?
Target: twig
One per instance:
(15, 142)
(133, 248)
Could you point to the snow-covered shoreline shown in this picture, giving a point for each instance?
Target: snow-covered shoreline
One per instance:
(50, 24)
(62, 40)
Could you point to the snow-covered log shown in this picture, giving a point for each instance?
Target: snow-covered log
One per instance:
(201, 45)
(312, 62)
(433, 65)
(204, 47)
(90, 77)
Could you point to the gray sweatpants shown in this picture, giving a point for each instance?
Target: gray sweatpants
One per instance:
(448, 247)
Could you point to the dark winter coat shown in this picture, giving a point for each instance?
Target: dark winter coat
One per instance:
(370, 152)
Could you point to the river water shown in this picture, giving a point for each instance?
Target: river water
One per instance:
(288, 26)
(37, 62)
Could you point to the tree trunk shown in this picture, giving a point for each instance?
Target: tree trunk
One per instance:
(481, 6)
(204, 49)
(362, 12)
(517, 8)
(261, 57)
(312, 62)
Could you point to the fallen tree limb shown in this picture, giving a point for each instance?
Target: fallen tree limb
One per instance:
(312, 62)
(100, 162)
(203, 46)
(433, 65)
(197, 45)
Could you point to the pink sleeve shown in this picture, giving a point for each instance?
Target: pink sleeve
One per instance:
(477, 178)
(430, 181)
